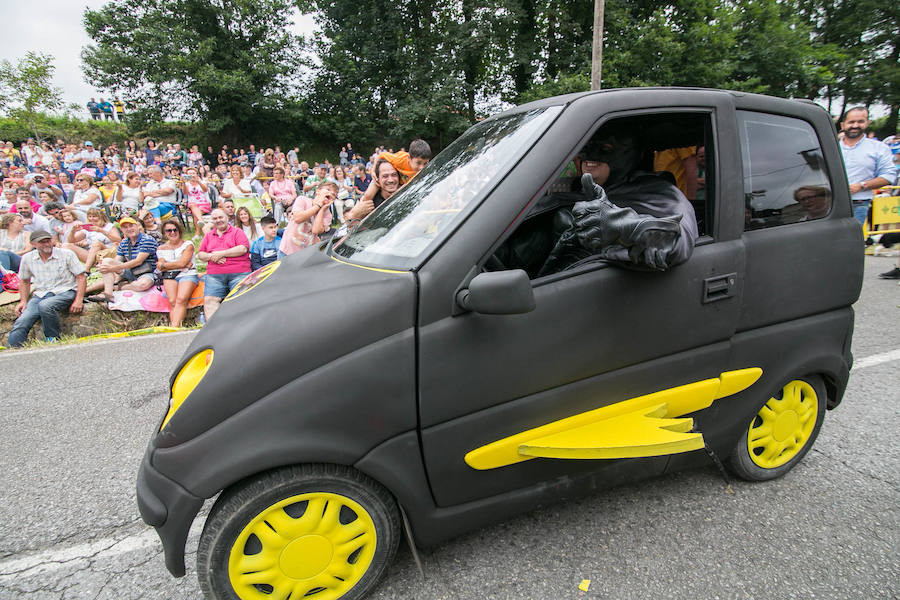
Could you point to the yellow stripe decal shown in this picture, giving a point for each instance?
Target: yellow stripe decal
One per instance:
(642, 426)
(344, 262)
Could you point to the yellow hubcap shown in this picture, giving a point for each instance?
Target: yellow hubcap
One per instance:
(319, 544)
(783, 426)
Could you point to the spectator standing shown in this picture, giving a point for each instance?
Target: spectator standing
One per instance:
(344, 156)
(868, 162)
(152, 155)
(94, 109)
(384, 185)
(176, 261)
(893, 142)
(120, 109)
(361, 180)
(226, 251)
(58, 280)
(107, 109)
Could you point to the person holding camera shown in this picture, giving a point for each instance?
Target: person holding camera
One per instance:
(176, 262)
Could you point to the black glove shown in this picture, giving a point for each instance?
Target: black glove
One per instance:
(605, 229)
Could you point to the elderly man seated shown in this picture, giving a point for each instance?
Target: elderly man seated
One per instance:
(133, 266)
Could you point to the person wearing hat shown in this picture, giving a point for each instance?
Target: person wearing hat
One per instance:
(636, 219)
(58, 281)
(89, 154)
(134, 263)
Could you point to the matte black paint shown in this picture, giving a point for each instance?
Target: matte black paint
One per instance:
(397, 380)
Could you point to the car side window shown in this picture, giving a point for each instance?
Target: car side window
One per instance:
(785, 177)
(671, 153)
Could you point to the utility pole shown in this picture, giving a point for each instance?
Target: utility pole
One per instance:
(597, 51)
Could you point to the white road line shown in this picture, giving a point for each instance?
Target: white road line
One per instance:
(62, 347)
(877, 359)
(42, 562)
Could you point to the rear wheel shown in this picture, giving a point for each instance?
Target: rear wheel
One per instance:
(313, 531)
(782, 432)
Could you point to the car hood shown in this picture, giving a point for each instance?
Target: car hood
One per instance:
(310, 311)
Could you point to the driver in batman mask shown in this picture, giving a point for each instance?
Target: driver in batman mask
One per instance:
(627, 216)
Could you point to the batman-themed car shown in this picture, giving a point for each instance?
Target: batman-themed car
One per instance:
(482, 344)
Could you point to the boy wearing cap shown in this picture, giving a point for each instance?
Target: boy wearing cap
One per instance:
(134, 262)
(58, 280)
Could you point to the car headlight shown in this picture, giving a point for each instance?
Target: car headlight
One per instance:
(187, 379)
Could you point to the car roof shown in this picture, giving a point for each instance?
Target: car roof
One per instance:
(566, 99)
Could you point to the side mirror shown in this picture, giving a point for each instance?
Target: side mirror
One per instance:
(498, 293)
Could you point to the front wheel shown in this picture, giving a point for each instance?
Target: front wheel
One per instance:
(782, 432)
(322, 532)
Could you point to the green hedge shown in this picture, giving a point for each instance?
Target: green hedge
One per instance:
(63, 128)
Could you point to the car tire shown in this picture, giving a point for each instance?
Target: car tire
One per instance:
(317, 531)
(782, 432)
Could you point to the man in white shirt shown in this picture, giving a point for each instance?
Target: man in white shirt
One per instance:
(33, 221)
(159, 193)
(89, 154)
(58, 280)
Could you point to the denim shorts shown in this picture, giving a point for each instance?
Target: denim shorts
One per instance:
(218, 285)
(193, 278)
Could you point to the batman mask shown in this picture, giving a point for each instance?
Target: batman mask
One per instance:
(619, 150)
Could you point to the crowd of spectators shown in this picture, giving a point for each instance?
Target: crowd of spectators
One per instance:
(145, 216)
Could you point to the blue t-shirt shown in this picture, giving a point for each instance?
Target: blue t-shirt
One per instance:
(867, 160)
(263, 252)
(144, 243)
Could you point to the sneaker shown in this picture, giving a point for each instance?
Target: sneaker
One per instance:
(892, 274)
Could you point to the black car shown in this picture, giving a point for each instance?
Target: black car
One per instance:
(433, 370)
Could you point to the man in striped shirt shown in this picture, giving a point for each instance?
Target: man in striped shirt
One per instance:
(58, 280)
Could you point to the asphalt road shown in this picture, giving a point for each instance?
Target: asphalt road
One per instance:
(76, 421)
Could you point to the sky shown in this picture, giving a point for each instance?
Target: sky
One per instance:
(56, 30)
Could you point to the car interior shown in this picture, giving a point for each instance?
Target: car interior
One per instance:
(530, 245)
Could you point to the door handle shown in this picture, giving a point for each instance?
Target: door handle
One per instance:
(719, 287)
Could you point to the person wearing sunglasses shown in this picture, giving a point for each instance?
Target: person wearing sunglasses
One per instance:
(175, 258)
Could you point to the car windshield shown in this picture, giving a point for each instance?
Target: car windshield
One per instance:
(402, 231)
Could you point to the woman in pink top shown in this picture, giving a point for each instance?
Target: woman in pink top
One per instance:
(309, 219)
(197, 193)
(282, 192)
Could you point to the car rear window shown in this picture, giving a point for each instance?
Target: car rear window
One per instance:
(785, 177)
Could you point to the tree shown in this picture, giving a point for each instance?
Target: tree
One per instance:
(231, 63)
(26, 89)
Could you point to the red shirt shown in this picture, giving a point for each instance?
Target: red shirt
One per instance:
(214, 242)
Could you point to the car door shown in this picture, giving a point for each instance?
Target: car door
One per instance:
(599, 334)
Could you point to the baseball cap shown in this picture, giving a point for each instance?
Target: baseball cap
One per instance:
(89, 143)
(38, 235)
(124, 220)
